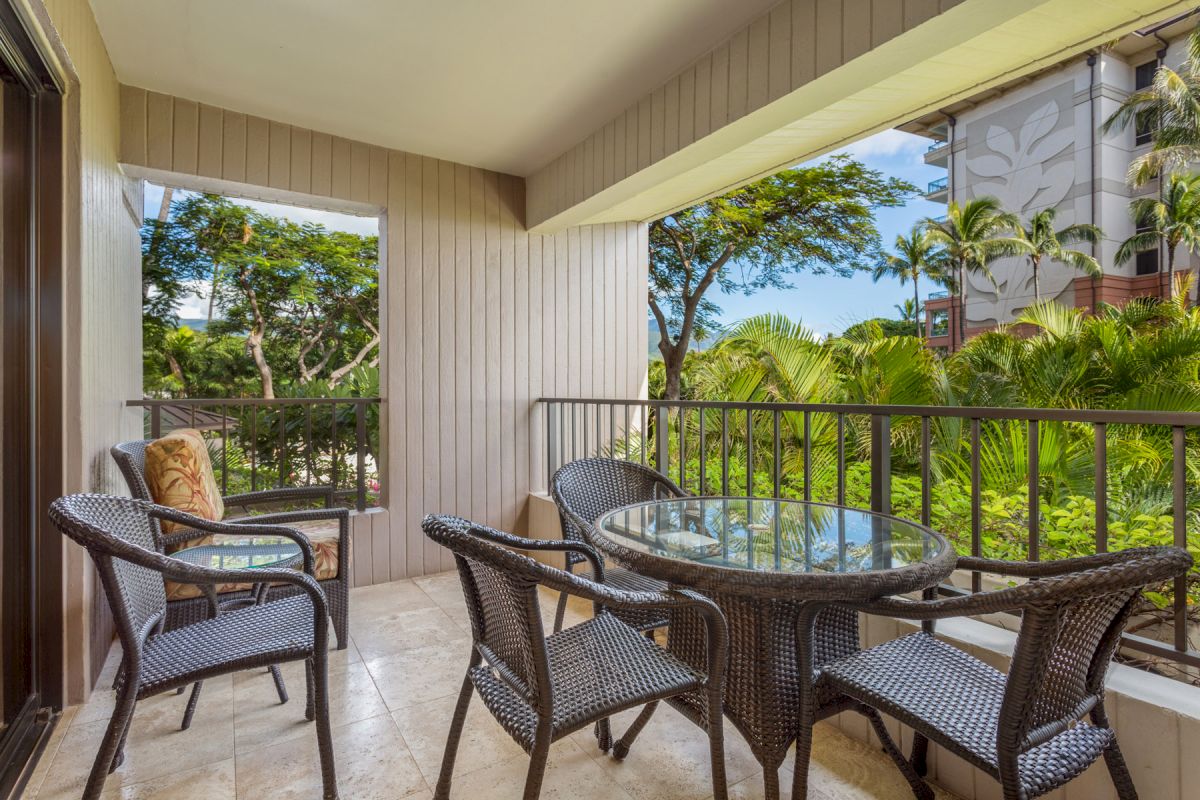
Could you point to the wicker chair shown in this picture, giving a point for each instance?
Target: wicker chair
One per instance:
(131, 458)
(120, 535)
(1026, 729)
(541, 688)
(586, 489)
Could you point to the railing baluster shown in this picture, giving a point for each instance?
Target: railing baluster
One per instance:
(224, 449)
(642, 432)
(749, 452)
(725, 452)
(976, 505)
(626, 431)
(807, 456)
(574, 429)
(282, 457)
(881, 463)
(599, 431)
(662, 456)
(333, 436)
(310, 464)
(612, 430)
(549, 411)
(1035, 506)
(926, 500)
(775, 471)
(253, 448)
(155, 422)
(1101, 431)
(360, 412)
(841, 459)
(703, 456)
(682, 448)
(1179, 512)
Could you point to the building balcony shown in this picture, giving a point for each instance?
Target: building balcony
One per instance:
(938, 191)
(938, 154)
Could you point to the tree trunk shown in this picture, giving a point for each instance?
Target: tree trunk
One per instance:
(917, 307)
(176, 370)
(255, 338)
(962, 303)
(674, 370)
(1170, 272)
(1037, 289)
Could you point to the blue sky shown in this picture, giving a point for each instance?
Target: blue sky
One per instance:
(825, 303)
(829, 303)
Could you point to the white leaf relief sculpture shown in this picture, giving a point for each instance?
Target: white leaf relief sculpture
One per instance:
(1013, 171)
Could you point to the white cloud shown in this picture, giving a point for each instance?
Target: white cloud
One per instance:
(887, 144)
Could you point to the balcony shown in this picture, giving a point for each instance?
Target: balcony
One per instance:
(938, 190)
(938, 154)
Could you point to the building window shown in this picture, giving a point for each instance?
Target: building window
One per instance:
(939, 323)
(1143, 77)
(1147, 262)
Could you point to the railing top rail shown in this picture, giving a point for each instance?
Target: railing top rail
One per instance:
(254, 401)
(1109, 416)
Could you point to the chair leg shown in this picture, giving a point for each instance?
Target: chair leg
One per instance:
(716, 745)
(560, 613)
(339, 614)
(280, 686)
(310, 700)
(446, 774)
(919, 756)
(920, 789)
(114, 736)
(603, 732)
(320, 682)
(621, 748)
(1114, 760)
(190, 711)
(537, 763)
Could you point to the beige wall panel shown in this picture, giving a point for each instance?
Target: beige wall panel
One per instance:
(856, 28)
(233, 147)
(828, 35)
(480, 319)
(300, 174)
(804, 41)
(779, 78)
(671, 116)
(917, 11)
(208, 145)
(322, 164)
(360, 172)
(279, 161)
(339, 161)
(133, 124)
(718, 89)
(687, 107)
(759, 63)
(739, 70)
(258, 151)
(703, 107)
(658, 111)
(887, 20)
(160, 136)
(644, 124)
(186, 132)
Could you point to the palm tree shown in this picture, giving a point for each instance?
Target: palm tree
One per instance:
(1170, 107)
(973, 235)
(1045, 242)
(1173, 219)
(916, 255)
(910, 312)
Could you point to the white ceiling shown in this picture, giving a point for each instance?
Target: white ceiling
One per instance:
(501, 84)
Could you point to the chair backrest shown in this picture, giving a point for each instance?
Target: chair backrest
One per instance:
(502, 601)
(585, 489)
(112, 529)
(1070, 631)
(131, 459)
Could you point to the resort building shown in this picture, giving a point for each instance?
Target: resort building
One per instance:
(1036, 143)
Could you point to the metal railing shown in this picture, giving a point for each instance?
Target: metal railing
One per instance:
(938, 185)
(283, 442)
(942, 295)
(631, 429)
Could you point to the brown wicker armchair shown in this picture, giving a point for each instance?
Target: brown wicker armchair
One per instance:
(121, 535)
(131, 458)
(1026, 729)
(586, 489)
(541, 688)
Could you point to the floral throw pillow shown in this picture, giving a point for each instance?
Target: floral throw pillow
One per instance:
(180, 475)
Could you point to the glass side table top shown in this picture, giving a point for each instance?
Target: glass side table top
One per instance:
(241, 552)
(771, 535)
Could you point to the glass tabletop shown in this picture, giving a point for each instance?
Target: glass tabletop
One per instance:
(770, 535)
(241, 552)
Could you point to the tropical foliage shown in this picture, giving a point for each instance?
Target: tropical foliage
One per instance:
(1145, 355)
(1172, 219)
(1044, 242)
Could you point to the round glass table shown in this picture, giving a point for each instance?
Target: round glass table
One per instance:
(778, 569)
(241, 552)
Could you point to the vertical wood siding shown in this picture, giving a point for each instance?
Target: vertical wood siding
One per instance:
(102, 312)
(480, 316)
(787, 47)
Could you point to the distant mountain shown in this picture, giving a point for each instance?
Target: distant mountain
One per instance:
(702, 344)
(198, 325)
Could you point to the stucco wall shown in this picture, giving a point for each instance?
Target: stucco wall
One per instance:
(480, 317)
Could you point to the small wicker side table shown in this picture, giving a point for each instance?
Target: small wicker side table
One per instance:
(240, 552)
(776, 568)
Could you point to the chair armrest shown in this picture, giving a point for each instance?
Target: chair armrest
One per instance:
(198, 527)
(1047, 569)
(281, 495)
(545, 545)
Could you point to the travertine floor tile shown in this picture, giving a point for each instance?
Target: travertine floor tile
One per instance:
(422, 674)
(484, 743)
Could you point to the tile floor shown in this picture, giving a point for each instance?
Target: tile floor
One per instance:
(391, 696)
